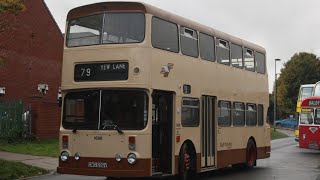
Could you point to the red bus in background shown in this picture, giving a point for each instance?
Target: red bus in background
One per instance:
(309, 123)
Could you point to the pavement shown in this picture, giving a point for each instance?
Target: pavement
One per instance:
(51, 164)
(47, 163)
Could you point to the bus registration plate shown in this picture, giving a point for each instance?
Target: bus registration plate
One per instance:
(97, 165)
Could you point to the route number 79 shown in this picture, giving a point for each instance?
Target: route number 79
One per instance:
(85, 72)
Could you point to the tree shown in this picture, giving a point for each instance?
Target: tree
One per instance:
(302, 68)
(9, 9)
(11, 6)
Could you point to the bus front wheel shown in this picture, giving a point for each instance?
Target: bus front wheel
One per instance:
(251, 154)
(187, 162)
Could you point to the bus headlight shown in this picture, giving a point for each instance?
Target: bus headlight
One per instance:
(64, 156)
(77, 156)
(132, 158)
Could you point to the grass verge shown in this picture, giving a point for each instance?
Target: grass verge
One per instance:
(274, 134)
(47, 147)
(16, 170)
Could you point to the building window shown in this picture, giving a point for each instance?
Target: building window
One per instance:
(238, 114)
(206, 47)
(223, 52)
(236, 56)
(164, 35)
(190, 112)
(260, 63)
(251, 115)
(248, 59)
(189, 41)
(224, 114)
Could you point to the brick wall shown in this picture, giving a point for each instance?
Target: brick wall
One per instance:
(32, 51)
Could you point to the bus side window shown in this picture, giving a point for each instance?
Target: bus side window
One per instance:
(249, 59)
(189, 42)
(223, 52)
(224, 115)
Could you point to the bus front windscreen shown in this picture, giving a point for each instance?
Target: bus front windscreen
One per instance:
(107, 28)
(124, 109)
(306, 116)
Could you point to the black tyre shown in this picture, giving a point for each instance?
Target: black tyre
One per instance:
(251, 158)
(187, 163)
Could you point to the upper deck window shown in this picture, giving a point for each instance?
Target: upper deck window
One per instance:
(317, 90)
(164, 35)
(248, 59)
(189, 41)
(107, 28)
(206, 47)
(223, 52)
(260, 63)
(236, 56)
(306, 92)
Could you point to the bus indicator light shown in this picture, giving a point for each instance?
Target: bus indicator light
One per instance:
(65, 142)
(132, 142)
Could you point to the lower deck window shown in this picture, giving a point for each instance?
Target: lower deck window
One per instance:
(224, 116)
(190, 112)
(251, 115)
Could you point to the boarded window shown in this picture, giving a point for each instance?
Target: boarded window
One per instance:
(224, 116)
(238, 114)
(236, 56)
(190, 112)
(206, 47)
(223, 52)
(164, 35)
(189, 41)
(260, 63)
(248, 59)
(251, 115)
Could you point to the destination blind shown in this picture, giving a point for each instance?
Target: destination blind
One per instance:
(101, 71)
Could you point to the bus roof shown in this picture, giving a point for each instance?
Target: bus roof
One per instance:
(311, 101)
(146, 8)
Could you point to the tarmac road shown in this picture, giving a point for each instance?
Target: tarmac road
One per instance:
(287, 162)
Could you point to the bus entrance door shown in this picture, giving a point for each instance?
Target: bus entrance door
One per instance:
(162, 117)
(208, 131)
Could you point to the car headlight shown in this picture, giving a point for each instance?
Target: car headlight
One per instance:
(64, 156)
(77, 156)
(132, 158)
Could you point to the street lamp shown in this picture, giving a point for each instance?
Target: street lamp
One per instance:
(275, 89)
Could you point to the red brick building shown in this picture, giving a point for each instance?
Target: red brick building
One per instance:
(31, 54)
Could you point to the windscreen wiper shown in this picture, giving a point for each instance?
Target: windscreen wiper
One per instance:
(109, 123)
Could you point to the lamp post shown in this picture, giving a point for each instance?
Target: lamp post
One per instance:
(275, 90)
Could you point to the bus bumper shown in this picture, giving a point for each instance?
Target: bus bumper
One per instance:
(142, 168)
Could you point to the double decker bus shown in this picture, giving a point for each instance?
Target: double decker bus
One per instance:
(309, 123)
(148, 93)
(306, 90)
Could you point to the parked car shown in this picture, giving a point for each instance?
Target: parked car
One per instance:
(288, 123)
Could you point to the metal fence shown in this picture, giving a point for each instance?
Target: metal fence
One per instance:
(15, 119)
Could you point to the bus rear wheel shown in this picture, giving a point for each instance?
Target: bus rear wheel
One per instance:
(251, 157)
(187, 163)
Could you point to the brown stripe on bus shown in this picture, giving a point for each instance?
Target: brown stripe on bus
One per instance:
(142, 168)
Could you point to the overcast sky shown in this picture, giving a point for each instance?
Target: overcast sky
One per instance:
(282, 27)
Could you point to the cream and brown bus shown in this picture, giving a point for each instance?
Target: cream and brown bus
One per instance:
(148, 93)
